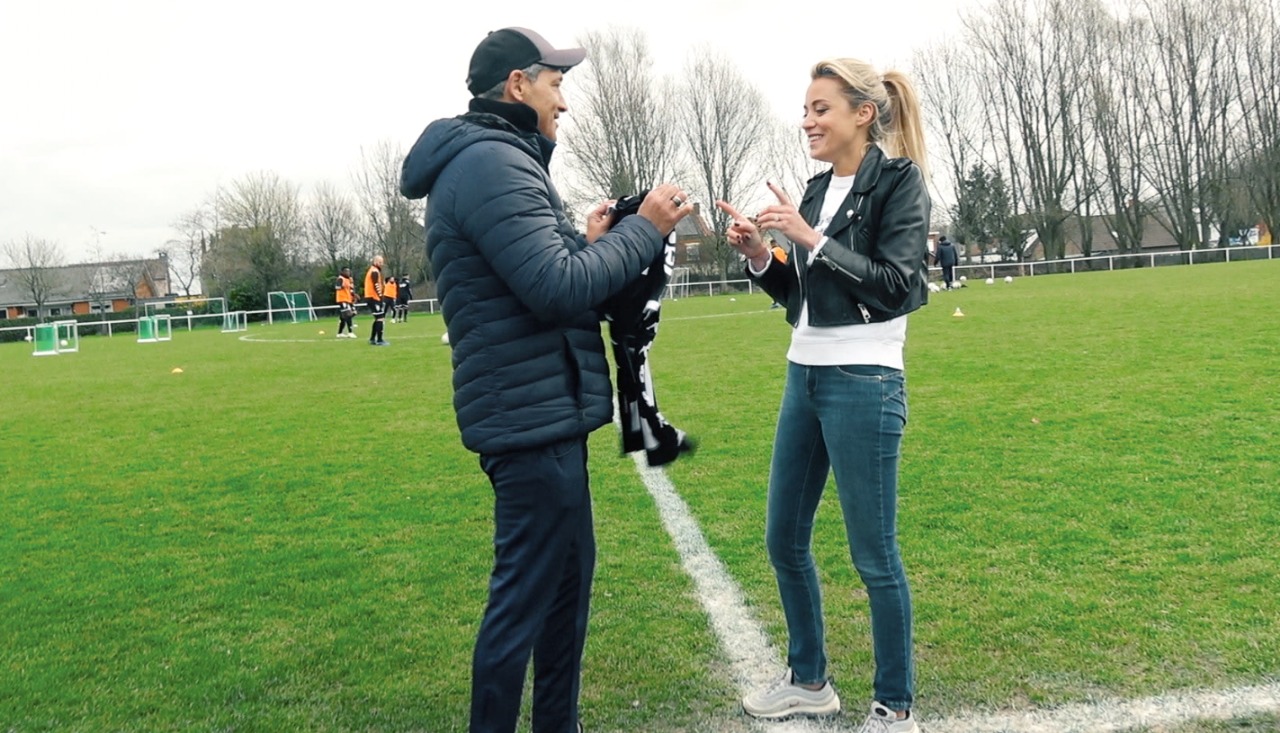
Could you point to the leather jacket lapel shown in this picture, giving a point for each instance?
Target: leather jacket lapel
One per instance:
(851, 209)
(846, 215)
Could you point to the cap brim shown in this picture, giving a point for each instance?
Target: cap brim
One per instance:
(564, 58)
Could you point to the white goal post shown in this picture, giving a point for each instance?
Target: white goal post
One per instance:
(68, 335)
(235, 321)
(155, 328)
(297, 304)
(678, 285)
(214, 305)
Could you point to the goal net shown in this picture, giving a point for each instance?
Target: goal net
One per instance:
(234, 321)
(296, 306)
(678, 285)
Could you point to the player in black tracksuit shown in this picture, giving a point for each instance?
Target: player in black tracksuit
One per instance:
(403, 296)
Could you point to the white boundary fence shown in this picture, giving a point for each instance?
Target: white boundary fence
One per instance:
(725, 287)
(1103, 263)
(1106, 263)
(229, 322)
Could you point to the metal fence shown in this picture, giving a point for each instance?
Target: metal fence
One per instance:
(1107, 263)
(188, 322)
(676, 291)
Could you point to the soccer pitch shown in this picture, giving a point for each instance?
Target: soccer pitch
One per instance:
(288, 534)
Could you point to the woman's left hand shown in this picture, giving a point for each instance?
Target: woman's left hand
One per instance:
(784, 217)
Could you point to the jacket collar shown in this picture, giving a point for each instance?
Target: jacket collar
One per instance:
(864, 182)
(520, 118)
(869, 170)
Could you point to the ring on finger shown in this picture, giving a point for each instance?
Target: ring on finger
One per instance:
(677, 201)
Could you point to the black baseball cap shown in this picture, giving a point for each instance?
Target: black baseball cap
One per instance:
(506, 50)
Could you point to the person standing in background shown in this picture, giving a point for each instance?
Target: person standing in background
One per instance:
(390, 289)
(403, 295)
(373, 283)
(344, 294)
(946, 257)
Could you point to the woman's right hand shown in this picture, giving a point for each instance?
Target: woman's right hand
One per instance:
(744, 236)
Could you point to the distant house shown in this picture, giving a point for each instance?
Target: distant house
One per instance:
(692, 234)
(1155, 238)
(95, 287)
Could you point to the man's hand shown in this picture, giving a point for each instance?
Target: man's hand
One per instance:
(664, 206)
(599, 220)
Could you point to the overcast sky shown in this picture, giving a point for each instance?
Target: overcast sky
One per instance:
(116, 117)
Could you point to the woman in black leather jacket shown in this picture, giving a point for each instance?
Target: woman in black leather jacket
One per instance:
(857, 268)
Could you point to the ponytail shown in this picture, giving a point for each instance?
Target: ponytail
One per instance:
(907, 121)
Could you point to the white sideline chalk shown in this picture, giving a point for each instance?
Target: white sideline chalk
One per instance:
(754, 661)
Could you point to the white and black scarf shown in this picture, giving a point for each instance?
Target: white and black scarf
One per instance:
(633, 326)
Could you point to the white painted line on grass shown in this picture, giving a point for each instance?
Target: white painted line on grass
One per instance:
(1115, 716)
(716, 315)
(327, 340)
(753, 661)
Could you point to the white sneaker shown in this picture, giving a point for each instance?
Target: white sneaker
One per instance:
(783, 698)
(883, 720)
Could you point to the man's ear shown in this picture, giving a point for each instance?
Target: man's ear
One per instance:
(516, 85)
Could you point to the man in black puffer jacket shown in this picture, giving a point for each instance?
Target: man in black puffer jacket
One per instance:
(519, 289)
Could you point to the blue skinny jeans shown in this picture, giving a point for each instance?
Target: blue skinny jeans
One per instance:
(850, 420)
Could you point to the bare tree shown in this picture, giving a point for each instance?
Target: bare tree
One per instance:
(1191, 83)
(35, 264)
(1035, 106)
(333, 225)
(1118, 110)
(726, 128)
(390, 224)
(110, 278)
(186, 251)
(1258, 88)
(951, 96)
(260, 243)
(1078, 25)
(619, 141)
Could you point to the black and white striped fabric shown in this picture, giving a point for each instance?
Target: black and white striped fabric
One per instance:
(633, 326)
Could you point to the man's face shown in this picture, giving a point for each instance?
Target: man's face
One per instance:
(545, 98)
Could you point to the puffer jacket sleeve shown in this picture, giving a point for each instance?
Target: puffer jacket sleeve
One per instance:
(508, 213)
(885, 280)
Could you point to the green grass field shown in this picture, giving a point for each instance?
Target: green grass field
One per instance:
(289, 536)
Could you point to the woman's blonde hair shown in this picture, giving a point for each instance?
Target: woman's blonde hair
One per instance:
(898, 125)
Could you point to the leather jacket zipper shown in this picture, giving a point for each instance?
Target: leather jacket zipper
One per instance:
(832, 264)
(795, 257)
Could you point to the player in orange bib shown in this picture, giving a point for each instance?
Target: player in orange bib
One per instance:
(389, 291)
(344, 293)
(373, 283)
